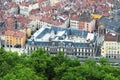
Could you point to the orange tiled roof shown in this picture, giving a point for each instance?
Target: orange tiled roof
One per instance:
(10, 28)
(14, 33)
(9, 33)
(19, 34)
(10, 20)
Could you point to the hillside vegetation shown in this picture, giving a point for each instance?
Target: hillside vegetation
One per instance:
(40, 65)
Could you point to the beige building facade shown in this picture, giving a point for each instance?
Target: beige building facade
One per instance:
(111, 46)
(53, 2)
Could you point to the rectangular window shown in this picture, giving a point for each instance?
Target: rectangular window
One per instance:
(7, 41)
(7, 37)
(109, 52)
(114, 52)
(16, 40)
(106, 43)
(20, 41)
(10, 37)
(10, 41)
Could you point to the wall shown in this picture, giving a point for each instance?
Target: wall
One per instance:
(53, 2)
(90, 26)
(24, 10)
(74, 24)
(12, 40)
(110, 49)
(79, 52)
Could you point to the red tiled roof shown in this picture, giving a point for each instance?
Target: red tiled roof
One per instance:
(14, 33)
(22, 19)
(10, 28)
(40, 1)
(58, 4)
(34, 11)
(47, 20)
(7, 15)
(47, 8)
(9, 33)
(1, 18)
(10, 20)
(12, 4)
(24, 4)
(19, 34)
(74, 17)
(36, 16)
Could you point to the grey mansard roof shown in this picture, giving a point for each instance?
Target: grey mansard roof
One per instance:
(58, 43)
(111, 24)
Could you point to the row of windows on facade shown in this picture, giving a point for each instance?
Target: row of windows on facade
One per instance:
(74, 53)
(112, 44)
(70, 50)
(10, 41)
(88, 50)
(112, 56)
(17, 38)
(112, 52)
(81, 54)
(112, 47)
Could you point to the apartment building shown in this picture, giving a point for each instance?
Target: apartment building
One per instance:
(14, 38)
(25, 8)
(83, 22)
(111, 46)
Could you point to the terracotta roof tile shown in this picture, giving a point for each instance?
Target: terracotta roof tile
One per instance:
(74, 17)
(19, 34)
(40, 1)
(10, 28)
(9, 33)
(58, 4)
(14, 33)
(10, 20)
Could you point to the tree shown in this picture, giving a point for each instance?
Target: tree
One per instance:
(21, 73)
(2, 51)
(103, 61)
(40, 65)
(110, 77)
(72, 76)
(7, 61)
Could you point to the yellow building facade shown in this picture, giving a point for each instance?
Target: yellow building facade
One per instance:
(13, 39)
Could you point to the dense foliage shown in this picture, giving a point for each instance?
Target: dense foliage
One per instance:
(40, 65)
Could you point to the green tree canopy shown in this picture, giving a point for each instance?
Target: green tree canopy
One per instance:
(41, 65)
